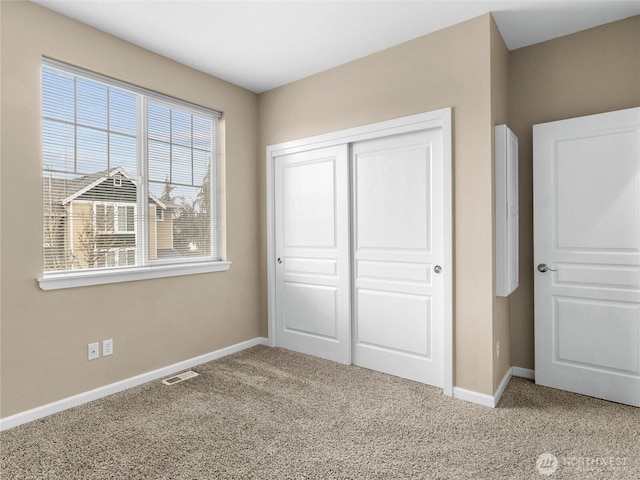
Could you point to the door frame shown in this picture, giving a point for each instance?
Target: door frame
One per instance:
(441, 118)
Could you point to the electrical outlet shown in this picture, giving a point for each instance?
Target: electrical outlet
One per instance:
(498, 349)
(107, 347)
(93, 350)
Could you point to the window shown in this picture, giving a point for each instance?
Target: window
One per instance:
(116, 257)
(129, 177)
(104, 220)
(113, 218)
(125, 219)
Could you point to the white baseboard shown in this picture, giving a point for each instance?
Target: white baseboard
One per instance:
(473, 397)
(482, 398)
(488, 400)
(85, 397)
(523, 372)
(503, 384)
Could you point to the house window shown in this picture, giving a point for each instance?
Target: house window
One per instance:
(125, 219)
(104, 219)
(113, 218)
(116, 158)
(116, 257)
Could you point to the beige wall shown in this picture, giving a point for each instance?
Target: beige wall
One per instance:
(449, 68)
(593, 71)
(499, 112)
(154, 323)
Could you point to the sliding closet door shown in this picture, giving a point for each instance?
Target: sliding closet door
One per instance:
(397, 244)
(312, 253)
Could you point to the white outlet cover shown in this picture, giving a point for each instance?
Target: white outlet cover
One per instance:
(107, 347)
(93, 351)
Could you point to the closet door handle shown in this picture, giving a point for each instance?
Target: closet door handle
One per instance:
(280, 260)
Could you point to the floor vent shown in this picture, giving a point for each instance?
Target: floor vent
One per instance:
(179, 378)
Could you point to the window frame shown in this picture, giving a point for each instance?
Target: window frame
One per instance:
(156, 268)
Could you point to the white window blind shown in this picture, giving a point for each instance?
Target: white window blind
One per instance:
(129, 176)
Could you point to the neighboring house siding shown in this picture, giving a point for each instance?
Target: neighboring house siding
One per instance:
(165, 233)
(108, 192)
(91, 241)
(153, 248)
(56, 234)
(81, 225)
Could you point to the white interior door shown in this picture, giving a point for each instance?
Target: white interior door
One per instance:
(312, 248)
(397, 245)
(587, 233)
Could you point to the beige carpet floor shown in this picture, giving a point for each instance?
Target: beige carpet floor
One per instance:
(273, 414)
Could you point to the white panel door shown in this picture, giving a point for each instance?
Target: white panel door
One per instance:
(312, 248)
(397, 251)
(587, 233)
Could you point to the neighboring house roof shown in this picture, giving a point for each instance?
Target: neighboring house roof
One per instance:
(62, 191)
(86, 183)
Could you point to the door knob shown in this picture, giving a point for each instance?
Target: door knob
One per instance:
(279, 260)
(437, 269)
(543, 268)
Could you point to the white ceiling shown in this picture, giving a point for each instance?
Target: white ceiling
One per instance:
(261, 45)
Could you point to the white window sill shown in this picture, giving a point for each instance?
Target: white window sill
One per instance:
(101, 277)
